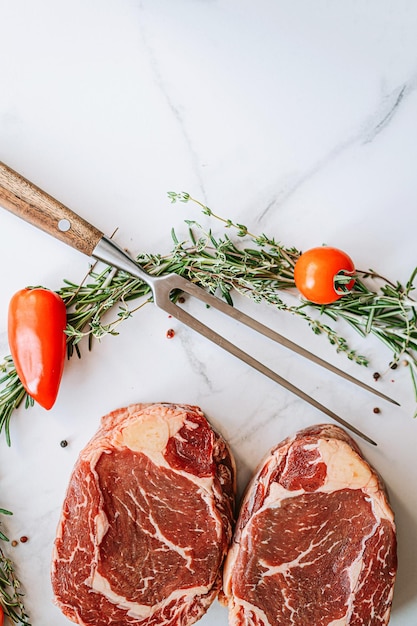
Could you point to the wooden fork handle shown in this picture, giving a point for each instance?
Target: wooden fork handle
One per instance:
(35, 206)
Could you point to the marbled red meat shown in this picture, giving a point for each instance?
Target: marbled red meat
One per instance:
(147, 520)
(315, 542)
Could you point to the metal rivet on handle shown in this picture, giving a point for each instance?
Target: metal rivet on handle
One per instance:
(64, 225)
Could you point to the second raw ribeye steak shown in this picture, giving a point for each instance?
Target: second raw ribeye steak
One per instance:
(315, 542)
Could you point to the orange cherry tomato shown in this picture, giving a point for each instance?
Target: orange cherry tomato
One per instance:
(36, 323)
(315, 273)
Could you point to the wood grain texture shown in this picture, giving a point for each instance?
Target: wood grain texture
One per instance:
(35, 206)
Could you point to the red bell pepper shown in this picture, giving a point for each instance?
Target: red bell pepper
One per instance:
(36, 323)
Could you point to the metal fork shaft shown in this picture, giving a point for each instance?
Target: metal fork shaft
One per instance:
(109, 252)
(162, 286)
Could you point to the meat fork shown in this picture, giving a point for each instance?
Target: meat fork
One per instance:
(29, 202)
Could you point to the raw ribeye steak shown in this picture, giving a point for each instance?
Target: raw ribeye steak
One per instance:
(146, 521)
(315, 542)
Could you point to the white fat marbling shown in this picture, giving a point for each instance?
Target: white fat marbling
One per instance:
(296, 118)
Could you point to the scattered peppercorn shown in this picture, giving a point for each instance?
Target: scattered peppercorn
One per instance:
(377, 410)
(377, 375)
(393, 365)
(14, 543)
(181, 299)
(64, 443)
(23, 539)
(170, 333)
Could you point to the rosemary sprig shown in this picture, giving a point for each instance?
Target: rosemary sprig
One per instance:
(10, 594)
(388, 312)
(12, 394)
(262, 270)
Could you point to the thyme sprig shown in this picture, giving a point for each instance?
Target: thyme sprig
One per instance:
(10, 594)
(256, 266)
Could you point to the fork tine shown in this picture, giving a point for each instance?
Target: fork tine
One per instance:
(225, 308)
(195, 324)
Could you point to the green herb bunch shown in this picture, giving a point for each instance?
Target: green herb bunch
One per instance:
(10, 594)
(258, 267)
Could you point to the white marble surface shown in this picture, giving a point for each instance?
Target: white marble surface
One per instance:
(296, 118)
